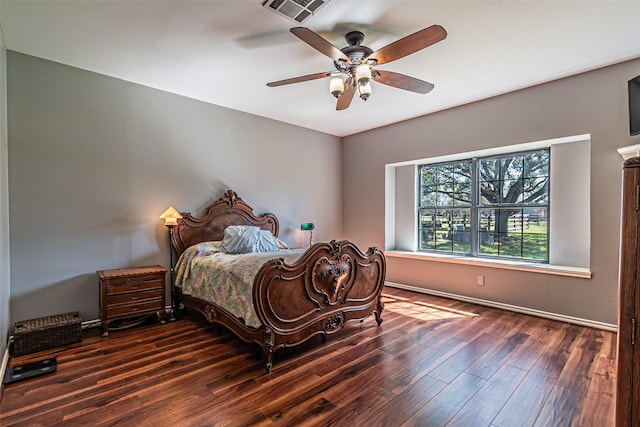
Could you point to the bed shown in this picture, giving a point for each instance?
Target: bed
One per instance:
(294, 294)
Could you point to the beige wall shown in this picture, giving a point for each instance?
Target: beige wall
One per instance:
(93, 162)
(591, 103)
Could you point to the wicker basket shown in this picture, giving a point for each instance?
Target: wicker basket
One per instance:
(46, 332)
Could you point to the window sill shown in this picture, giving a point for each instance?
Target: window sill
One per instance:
(558, 270)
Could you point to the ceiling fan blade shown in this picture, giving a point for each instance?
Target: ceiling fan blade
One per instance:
(344, 100)
(409, 44)
(402, 82)
(318, 43)
(299, 79)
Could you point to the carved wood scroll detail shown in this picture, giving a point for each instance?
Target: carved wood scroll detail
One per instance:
(210, 313)
(267, 348)
(231, 198)
(334, 322)
(334, 247)
(331, 276)
(267, 340)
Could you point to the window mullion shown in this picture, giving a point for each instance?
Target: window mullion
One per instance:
(475, 187)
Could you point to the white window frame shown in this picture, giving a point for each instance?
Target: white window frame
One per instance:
(475, 207)
(570, 205)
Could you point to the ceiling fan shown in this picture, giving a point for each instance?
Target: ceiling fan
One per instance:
(354, 63)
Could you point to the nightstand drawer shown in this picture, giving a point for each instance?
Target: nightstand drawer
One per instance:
(134, 279)
(134, 297)
(114, 289)
(134, 309)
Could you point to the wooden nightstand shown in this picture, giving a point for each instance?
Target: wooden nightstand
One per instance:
(131, 292)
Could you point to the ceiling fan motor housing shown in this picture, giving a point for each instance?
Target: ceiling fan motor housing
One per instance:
(356, 53)
(354, 38)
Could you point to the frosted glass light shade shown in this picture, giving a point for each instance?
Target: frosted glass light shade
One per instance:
(170, 216)
(364, 90)
(363, 74)
(336, 86)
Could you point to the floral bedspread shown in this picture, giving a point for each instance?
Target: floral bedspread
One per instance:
(205, 272)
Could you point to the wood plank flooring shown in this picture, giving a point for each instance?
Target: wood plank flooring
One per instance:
(432, 362)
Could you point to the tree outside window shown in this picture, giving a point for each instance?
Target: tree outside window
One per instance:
(493, 206)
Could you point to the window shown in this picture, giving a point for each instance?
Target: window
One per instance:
(489, 206)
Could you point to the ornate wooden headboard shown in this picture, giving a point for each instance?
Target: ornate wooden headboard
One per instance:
(227, 210)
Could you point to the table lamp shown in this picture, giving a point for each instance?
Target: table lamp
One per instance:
(308, 226)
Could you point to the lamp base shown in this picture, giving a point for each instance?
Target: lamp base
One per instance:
(174, 314)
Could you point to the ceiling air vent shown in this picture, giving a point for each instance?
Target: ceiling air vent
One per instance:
(296, 10)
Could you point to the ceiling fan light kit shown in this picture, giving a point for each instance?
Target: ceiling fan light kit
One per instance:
(364, 90)
(354, 63)
(336, 85)
(363, 80)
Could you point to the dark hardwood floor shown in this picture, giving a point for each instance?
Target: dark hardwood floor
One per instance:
(432, 362)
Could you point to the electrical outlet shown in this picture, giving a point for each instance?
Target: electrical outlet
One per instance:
(480, 281)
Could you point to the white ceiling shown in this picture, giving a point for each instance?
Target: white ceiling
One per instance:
(224, 51)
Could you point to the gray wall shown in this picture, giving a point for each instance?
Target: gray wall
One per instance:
(94, 161)
(593, 102)
(4, 204)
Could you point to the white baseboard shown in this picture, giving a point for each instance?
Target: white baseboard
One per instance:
(97, 322)
(5, 362)
(94, 323)
(509, 307)
(91, 323)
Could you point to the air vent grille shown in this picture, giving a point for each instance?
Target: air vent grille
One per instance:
(296, 10)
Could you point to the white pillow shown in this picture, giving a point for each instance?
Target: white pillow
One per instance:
(241, 239)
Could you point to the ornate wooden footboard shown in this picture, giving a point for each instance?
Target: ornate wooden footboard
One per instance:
(329, 285)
